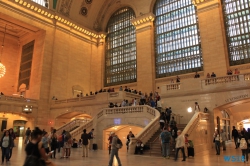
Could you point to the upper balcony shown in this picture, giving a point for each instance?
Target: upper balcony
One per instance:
(209, 85)
(101, 98)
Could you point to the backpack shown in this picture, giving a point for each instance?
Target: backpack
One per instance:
(243, 143)
(67, 136)
(166, 137)
(119, 143)
(60, 138)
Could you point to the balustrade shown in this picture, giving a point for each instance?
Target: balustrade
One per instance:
(193, 123)
(17, 99)
(219, 80)
(173, 86)
(69, 126)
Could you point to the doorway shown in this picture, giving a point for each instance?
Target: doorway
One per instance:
(19, 127)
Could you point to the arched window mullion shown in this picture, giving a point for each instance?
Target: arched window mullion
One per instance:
(177, 38)
(120, 48)
(236, 18)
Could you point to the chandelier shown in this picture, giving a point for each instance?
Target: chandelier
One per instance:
(2, 67)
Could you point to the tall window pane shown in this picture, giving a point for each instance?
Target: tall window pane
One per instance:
(120, 55)
(237, 23)
(177, 39)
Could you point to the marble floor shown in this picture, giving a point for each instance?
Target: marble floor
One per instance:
(101, 158)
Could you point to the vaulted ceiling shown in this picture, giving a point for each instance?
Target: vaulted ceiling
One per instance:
(94, 14)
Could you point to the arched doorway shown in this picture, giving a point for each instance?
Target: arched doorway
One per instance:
(225, 125)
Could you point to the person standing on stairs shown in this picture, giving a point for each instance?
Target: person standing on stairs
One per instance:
(174, 134)
(165, 139)
(162, 120)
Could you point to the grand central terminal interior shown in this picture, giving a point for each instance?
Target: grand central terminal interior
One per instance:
(115, 65)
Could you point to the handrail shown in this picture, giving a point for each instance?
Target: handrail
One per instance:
(193, 122)
(146, 133)
(21, 99)
(70, 125)
(79, 130)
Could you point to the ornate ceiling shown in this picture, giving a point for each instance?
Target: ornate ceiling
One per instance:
(94, 14)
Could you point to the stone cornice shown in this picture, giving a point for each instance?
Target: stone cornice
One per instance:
(143, 19)
(50, 18)
(207, 5)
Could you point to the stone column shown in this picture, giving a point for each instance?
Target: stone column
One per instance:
(145, 52)
(213, 42)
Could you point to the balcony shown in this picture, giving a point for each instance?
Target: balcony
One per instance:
(101, 98)
(209, 85)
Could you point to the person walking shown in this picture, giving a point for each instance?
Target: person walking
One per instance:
(6, 145)
(53, 143)
(217, 138)
(224, 139)
(235, 136)
(85, 143)
(180, 143)
(114, 150)
(13, 136)
(244, 145)
(110, 142)
(165, 139)
(27, 135)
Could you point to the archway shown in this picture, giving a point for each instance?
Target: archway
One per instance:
(121, 131)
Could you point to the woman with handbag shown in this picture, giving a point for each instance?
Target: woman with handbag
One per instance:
(6, 145)
(36, 155)
(217, 139)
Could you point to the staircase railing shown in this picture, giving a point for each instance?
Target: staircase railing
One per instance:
(147, 132)
(71, 125)
(79, 130)
(194, 121)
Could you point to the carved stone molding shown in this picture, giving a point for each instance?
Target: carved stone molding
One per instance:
(65, 7)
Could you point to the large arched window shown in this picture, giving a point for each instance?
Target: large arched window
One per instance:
(177, 39)
(120, 57)
(237, 22)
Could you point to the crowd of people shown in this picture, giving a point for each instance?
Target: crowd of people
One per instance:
(241, 139)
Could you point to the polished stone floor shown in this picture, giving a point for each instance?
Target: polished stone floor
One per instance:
(101, 158)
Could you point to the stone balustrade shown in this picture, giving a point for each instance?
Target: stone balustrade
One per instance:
(147, 132)
(219, 80)
(72, 124)
(174, 86)
(191, 86)
(17, 99)
(104, 97)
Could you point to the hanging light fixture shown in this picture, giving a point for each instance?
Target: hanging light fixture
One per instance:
(2, 67)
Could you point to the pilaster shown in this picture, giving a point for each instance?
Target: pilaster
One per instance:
(145, 52)
(212, 33)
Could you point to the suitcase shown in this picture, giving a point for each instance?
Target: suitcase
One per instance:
(94, 146)
(190, 151)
